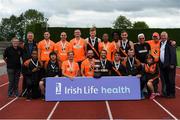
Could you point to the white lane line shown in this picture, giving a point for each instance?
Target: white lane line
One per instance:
(177, 87)
(8, 103)
(175, 118)
(2, 61)
(109, 110)
(52, 111)
(4, 84)
(178, 75)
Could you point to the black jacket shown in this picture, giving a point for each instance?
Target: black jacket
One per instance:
(170, 57)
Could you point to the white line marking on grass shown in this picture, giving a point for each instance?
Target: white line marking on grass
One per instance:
(4, 84)
(52, 111)
(175, 118)
(109, 110)
(8, 103)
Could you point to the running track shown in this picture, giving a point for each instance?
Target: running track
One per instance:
(19, 108)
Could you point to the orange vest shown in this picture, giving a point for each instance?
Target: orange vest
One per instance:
(45, 49)
(62, 50)
(88, 68)
(78, 47)
(155, 49)
(108, 48)
(150, 69)
(70, 69)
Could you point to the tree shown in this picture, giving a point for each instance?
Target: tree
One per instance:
(33, 16)
(16, 25)
(122, 22)
(140, 25)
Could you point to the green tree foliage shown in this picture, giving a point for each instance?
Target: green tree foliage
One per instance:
(140, 25)
(16, 25)
(122, 22)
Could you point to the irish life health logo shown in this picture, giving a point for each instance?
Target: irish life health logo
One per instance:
(58, 88)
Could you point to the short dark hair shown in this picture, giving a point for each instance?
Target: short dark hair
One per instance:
(118, 53)
(104, 51)
(53, 53)
(114, 33)
(123, 31)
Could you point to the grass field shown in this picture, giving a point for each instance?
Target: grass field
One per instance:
(178, 55)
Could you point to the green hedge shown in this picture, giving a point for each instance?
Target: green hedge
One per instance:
(55, 32)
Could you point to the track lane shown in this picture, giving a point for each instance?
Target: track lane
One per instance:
(81, 110)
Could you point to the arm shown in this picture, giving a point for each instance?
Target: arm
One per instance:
(82, 69)
(173, 57)
(5, 54)
(131, 44)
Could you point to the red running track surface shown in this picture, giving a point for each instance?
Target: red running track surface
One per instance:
(39, 109)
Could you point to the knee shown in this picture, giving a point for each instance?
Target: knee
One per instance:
(41, 83)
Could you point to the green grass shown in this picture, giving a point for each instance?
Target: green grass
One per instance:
(178, 55)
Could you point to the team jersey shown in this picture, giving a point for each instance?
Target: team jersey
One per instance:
(151, 71)
(52, 69)
(78, 47)
(155, 49)
(62, 49)
(117, 69)
(123, 49)
(88, 67)
(108, 47)
(141, 51)
(105, 67)
(69, 68)
(115, 48)
(132, 66)
(92, 44)
(45, 49)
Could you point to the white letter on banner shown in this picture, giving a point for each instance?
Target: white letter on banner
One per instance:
(58, 88)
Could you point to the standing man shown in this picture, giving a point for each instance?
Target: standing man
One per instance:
(92, 43)
(78, 47)
(106, 45)
(45, 47)
(168, 62)
(142, 49)
(29, 46)
(115, 43)
(155, 46)
(62, 47)
(87, 66)
(125, 44)
(11, 56)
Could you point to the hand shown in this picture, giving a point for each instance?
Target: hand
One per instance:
(171, 66)
(71, 78)
(173, 43)
(35, 69)
(138, 75)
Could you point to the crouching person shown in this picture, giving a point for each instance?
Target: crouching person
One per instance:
(151, 75)
(33, 75)
(52, 69)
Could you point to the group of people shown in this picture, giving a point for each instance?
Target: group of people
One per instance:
(92, 57)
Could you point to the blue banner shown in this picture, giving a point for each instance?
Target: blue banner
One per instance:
(81, 88)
